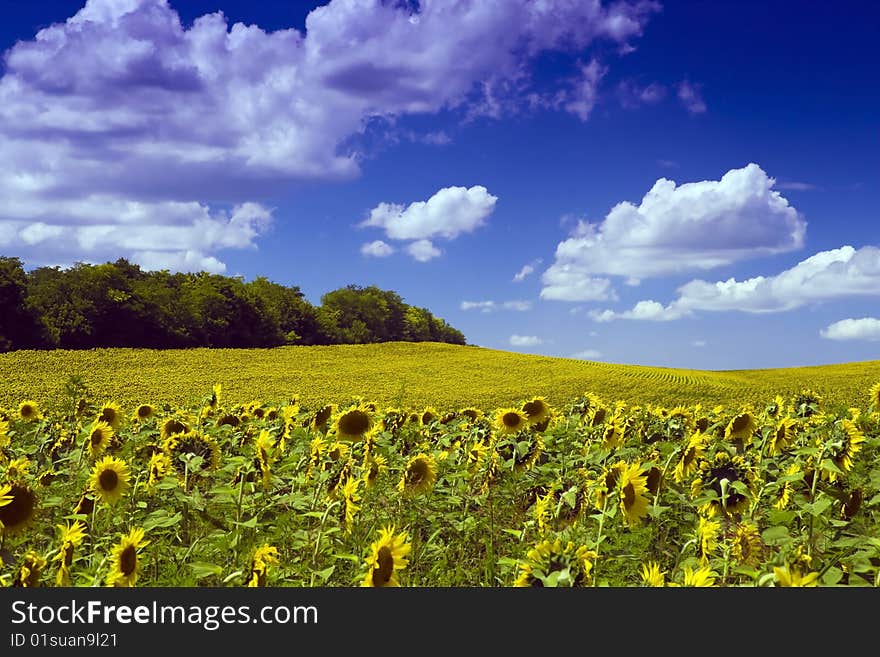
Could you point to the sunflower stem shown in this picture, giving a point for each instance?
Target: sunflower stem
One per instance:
(599, 539)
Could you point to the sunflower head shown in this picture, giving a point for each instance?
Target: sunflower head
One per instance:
(184, 446)
(536, 409)
(633, 491)
(29, 411)
(172, 426)
(806, 403)
(510, 420)
(143, 412)
(782, 437)
(353, 423)
(18, 505)
(98, 438)
(419, 475)
(652, 575)
(110, 479)
(110, 413)
(556, 562)
(263, 557)
(126, 565)
(373, 469)
(320, 419)
(30, 571)
(741, 427)
(387, 556)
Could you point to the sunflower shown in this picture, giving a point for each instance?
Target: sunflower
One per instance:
(612, 433)
(84, 505)
(633, 493)
(4, 434)
(726, 476)
(393, 419)
(18, 505)
(428, 415)
(30, 571)
(143, 413)
(874, 395)
(353, 423)
(321, 419)
(776, 407)
(747, 544)
(111, 413)
(171, 427)
(782, 437)
(267, 454)
(158, 468)
(387, 556)
(792, 576)
(787, 487)
(701, 577)
(842, 448)
(741, 427)
(72, 536)
(607, 482)
(125, 560)
(510, 420)
(110, 479)
(544, 509)
(350, 500)
(806, 403)
(556, 563)
(214, 400)
(18, 468)
(264, 556)
(471, 413)
(180, 447)
(707, 537)
(419, 475)
(652, 575)
(99, 437)
(536, 409)
(29, 411)
(373, 468)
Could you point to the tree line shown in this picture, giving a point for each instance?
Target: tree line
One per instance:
(119, 305)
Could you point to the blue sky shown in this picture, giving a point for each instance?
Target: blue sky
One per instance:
(686, 184)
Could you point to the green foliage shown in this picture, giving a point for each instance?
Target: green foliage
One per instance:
(119, 305)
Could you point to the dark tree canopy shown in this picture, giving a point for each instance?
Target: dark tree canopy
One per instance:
(119, 305)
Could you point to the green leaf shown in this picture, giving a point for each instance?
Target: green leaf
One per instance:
(161, 518)
(202, 570)
(249, 523)
(818, 507)
(832, 576)
(775, 534)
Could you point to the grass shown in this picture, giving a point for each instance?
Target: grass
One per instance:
(404, 374)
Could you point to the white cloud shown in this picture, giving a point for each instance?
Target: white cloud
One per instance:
(377, 249)
(525, 340)
(643, 310)
(691, 98)
(423, 250)
(582, 96)
(699, 343)
(866, 328)
(833, 274)
(587, 354)
(527, 270)
(796, 185)
(675, 228)
(448, 213)
(124, 103)
(570, 282)
(489, 306)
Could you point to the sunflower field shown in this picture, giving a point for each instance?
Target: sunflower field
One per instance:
(592, 492)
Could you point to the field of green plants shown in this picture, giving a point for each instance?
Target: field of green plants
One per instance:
(106, 480)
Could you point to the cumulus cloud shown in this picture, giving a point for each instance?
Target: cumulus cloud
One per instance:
(697, 225)
(691, 98)
(423, 250)
(489, 306)
(448, 213)
(525, 340)
(865, 328)
(582, 96)
(527, 270)
(123, 103)
(377, 249)
(827, 275)
(643, 310)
